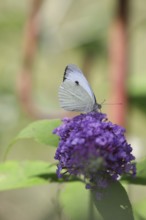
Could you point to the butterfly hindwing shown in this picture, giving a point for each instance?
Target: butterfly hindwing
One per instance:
(73, 97)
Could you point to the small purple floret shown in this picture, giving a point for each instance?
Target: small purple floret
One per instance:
(92, 147)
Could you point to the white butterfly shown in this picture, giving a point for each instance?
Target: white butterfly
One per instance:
(75, 93)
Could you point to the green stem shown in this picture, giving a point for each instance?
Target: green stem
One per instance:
(91, 207)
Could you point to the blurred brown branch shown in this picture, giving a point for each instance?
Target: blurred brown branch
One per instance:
(118, 53)
(25, 82)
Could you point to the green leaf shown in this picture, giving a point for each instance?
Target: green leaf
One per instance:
(14, 175)
(114, 203)
(40, 131)
(140, 176)
(140, 209)
(75, 200)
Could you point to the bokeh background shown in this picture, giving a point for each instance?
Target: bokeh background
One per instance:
(106, 39)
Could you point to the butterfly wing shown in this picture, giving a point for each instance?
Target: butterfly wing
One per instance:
(75, 93)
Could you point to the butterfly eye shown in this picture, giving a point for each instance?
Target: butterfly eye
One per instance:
(77, 83)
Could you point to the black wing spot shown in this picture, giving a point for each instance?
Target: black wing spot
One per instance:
(64, 78)
(95, 99)
(77, 83)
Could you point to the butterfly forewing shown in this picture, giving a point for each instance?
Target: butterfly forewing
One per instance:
(75, 93)
(73, 73)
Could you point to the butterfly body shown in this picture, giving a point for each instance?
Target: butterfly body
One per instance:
(75, 93)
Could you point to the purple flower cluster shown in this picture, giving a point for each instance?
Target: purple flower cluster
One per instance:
(94, 149)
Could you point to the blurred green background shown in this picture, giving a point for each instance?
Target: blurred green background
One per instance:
(69, 31)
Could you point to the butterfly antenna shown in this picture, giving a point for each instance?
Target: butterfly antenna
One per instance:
(102, 102)
(117, 103)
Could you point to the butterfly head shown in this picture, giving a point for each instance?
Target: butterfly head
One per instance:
(97, 107)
